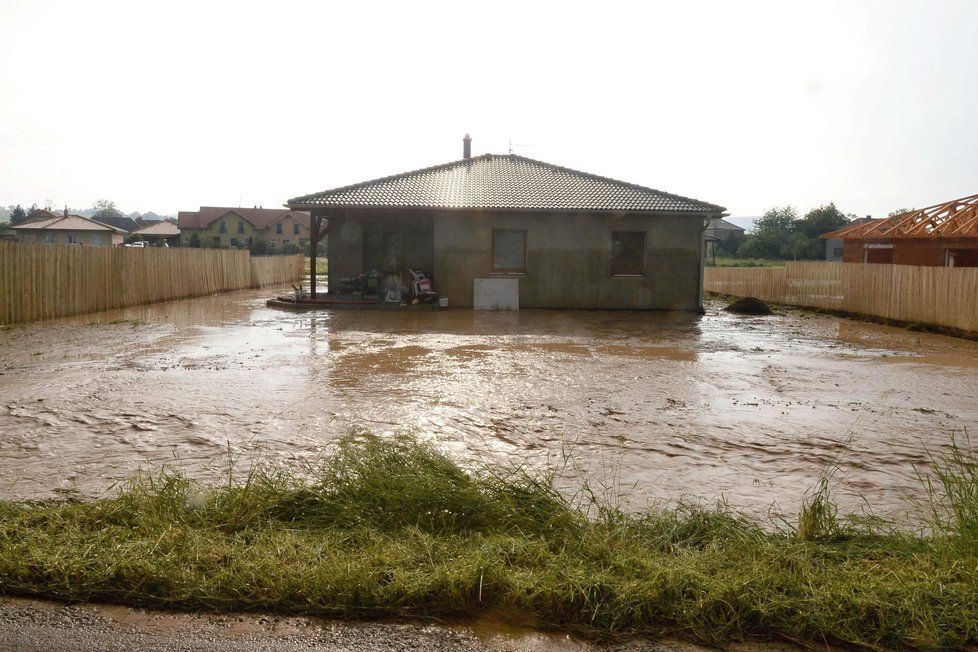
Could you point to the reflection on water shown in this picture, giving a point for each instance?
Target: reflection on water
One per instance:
(661, 404)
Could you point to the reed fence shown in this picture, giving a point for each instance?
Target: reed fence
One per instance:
(44, 281)
(276, 270)
(936, 296)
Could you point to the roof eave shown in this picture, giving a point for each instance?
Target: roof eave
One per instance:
(710, 211)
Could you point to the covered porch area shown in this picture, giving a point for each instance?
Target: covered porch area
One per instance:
(375, 257)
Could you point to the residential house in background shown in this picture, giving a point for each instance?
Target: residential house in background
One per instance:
(835, 246)
(157, 233)
(123, 222)
(512, 228)
(127, 224)
(944, 234)
(217, 226)
(41, 214)
(69, 229)
(719, 230)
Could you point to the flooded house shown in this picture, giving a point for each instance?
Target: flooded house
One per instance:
(944, 234)
(509, 231)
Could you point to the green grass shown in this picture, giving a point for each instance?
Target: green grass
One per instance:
(392, 527)
(745, 262)
(322, 265)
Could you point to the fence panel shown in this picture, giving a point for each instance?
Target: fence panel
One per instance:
(44, 281)
(276, 270)
(938, 296)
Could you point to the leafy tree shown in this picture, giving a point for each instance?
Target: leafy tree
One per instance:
(770, 235)
(195, 240)
(781, 234)
(900, 211)
(727, 247)
(105, 208)
(17, 216)
(259, 247)
(806, 242)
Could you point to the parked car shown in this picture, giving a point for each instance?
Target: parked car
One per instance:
(139, 243)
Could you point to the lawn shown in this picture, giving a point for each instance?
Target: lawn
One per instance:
(393, 527)
(322, 265)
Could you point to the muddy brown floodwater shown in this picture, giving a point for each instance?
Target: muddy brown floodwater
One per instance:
(660, 406)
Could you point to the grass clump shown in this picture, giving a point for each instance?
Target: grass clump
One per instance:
(394, 527)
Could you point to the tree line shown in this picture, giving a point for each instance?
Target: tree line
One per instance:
(782, 234)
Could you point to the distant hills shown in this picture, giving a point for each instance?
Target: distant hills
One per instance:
(85, 212)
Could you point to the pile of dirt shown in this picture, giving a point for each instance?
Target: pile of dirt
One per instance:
(749, 306)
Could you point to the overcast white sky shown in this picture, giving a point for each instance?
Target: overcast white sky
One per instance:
(170, 105)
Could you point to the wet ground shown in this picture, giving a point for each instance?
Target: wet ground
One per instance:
(32, 625)
(658, 405)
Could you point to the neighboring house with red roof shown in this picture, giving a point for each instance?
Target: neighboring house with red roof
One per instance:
(69, 229)
(944, 234)
(551, 236)
(221, 226)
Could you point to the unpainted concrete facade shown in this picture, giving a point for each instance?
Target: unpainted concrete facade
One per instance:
(568, 255)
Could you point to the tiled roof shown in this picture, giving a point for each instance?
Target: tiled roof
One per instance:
(719, 224)
(68, 223)
(957, 218)
(123, 222)
(503, 182)
(164, 228)
(258, 217)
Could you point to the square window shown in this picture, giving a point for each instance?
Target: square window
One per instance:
(508, 251)
(628, 253)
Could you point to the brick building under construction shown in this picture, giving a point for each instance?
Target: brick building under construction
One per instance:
(940, 235)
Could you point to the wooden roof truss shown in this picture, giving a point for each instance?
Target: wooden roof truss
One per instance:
(954, 219)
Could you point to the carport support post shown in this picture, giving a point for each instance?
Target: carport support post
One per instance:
(702, 279)
(313, 245)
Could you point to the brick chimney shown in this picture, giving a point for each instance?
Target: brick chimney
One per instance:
(467, 147)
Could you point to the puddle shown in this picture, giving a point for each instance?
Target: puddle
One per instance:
(658, 405)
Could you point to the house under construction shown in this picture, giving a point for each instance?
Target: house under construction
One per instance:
(941, 235)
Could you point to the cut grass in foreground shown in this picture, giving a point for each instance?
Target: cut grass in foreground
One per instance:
(393, 527)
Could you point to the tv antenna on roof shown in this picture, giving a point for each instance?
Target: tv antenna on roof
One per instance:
(511, 144)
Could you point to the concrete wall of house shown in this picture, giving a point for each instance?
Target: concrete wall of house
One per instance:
(834, 250)
(344, 250)
(90, 238)
(568, 260)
